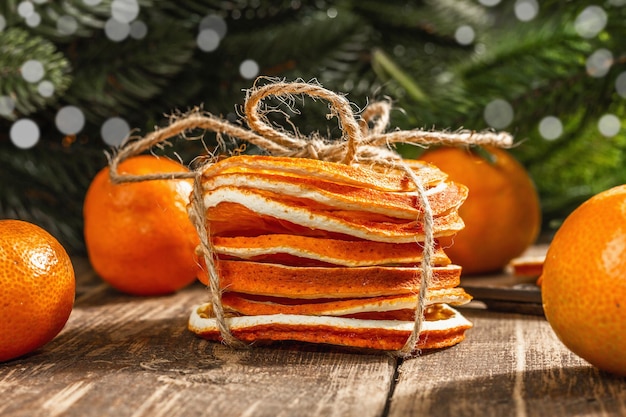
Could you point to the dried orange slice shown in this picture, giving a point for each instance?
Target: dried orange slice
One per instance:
(322, 282)
(311, 251)
(252, 305)
(444, 197)
(239, 212)
(357, 175)
(444, 326)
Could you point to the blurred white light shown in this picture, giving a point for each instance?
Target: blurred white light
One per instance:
(69, 120)
(620, 84)
(331, 12)
(32, 71)
(249, 69)
(526, 10)
(124, 11)
(464, 35)
(25, 9)
(67, 25)
(92, 2)
(3, 22)
(138, 29)
(498, 114)
(208, 40)
(116, 31)
(45, 88)
(599, 63)
(215, 23)
(609, 125)
(550, 128)
(33, 20)
(591, 21)
(7, 105)
(489, 3)
(114, 131)
(24, 133)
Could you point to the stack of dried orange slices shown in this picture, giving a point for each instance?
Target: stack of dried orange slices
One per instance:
(322, 252)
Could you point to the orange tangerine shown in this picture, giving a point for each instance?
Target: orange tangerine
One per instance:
(502, 214)
(138, 236)
(583, 283)
(37, 288)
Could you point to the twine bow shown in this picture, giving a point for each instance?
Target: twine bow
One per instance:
(362, 141)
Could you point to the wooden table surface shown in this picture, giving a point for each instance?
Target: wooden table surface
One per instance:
(126, 356)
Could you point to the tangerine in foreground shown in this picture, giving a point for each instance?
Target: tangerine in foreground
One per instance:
(37, 288)
(502, 213)
(138, 236)
(584, 281)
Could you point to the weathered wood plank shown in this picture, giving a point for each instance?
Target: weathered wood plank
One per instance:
(509, 365)
(127, 356)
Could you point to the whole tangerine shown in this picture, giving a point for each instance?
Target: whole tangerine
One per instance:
(138, 235)
(37, 288)
(583, 283)
(502, 213)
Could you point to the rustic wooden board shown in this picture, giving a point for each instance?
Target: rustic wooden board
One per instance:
(509, 365)
(127, 356)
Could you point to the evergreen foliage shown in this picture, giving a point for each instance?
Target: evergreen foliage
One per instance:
(408, 51)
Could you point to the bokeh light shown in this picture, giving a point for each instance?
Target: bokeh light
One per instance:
(114, 131)
(33, 20)
(609, 125)
(45, 88)
(24, 133)
(464, 35)
(32, 71)
(116, 30)
(69, 120)
(208, 40)
(498, 114)
(138, 29)
(67, 25)
(599, 63)
(249, 69)
(526, 10)
(92, 2)
(550, 128)
(489, 3)
(3, 23)
(591, 21)
(215, 23)
(25, 9)
(7, 105)
(124, 11)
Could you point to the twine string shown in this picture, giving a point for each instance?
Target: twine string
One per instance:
(426, 266)
(339, 105)
(197, 216)
(362, 141)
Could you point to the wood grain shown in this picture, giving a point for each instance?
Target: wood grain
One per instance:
(127, 356)
(509, 365)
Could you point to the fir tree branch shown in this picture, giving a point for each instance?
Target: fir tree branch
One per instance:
(16, 48)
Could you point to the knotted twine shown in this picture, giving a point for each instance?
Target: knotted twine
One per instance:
(363, 142)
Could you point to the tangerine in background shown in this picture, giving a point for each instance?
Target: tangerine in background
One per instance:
(583, 283)
(37, 288)
(502, 213)
(138, 236)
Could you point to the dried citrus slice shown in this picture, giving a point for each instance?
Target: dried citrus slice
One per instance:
(443, 327)
(250, 305)
(304, 250)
